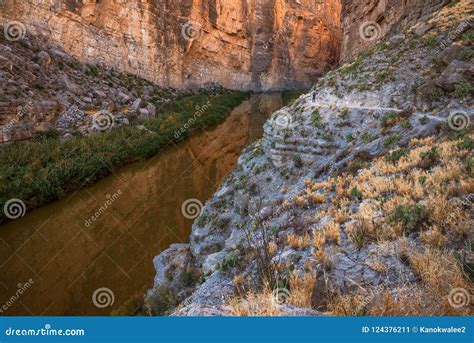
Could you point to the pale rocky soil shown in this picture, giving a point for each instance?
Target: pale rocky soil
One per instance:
(347, 232)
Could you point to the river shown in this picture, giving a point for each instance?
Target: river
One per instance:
(54, 259)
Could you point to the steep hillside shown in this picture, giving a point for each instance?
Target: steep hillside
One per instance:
(359, 202)
(43, 88)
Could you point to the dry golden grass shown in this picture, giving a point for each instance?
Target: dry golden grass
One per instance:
(434, 237)
(319, 240)
(332, 231)
(266, 303)
(254, 304)
(272, 249)
(299, 242)
(323, 257)
(239, 284)
(301, 201)
(438, 271)
(317, 198)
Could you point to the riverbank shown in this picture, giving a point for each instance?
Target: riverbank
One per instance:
(48, 168)
(106, 235)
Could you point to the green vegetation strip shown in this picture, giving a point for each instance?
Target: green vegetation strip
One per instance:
(289, 96)
(47, 168)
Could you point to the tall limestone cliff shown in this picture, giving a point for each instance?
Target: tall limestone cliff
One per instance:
(244, 44)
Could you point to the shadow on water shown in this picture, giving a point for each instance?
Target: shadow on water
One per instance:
(55, 258)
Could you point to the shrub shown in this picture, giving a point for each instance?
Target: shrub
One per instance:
(162, 301)
(356, 194)
(466, 144)
(393, 138)
(466, 55)
(344, 114)
(436, 94)
(408, 216)
(462, 90)
(382, 76)
(229, 262)
(298, 161)
(316, 118)
(394, 156)
(430, 41)
(423, 120)
(389, 119)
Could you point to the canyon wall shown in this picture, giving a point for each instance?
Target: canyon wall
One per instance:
(243, 44)
(365, 22)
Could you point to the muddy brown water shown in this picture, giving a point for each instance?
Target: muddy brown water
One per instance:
(58, 260)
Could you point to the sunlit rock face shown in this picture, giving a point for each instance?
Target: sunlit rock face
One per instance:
(240, 44)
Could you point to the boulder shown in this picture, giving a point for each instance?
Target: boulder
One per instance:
(6, 64)
(421, 30)
(151, 110)
(457, 72)
(423, 100)
(136, 104)
(397, 39)
(123, 98)
(143, 115)
(99, 94)
(66, 84)
(170, 262)
(450, 54)
(43, 59)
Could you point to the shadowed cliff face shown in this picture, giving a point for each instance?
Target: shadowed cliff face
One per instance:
(240, 44)
(378, 18)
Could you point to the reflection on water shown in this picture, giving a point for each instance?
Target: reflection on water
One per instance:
(55, 258)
